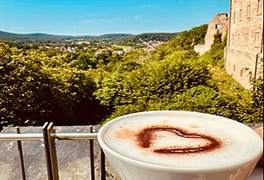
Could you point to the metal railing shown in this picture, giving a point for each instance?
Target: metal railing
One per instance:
(48, 136)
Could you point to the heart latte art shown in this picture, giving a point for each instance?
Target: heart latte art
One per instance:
(186, 140)
(146, 137)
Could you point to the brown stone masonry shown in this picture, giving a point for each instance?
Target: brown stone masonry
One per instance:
(218, 24)
(244, 49)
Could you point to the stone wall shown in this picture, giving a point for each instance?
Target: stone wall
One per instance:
(218, 24)
(245, 41)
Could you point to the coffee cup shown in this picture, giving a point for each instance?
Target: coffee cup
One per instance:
(168, 145)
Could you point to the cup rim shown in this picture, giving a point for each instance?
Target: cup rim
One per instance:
(129, 160)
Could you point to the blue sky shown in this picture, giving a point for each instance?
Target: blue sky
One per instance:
(96, 17)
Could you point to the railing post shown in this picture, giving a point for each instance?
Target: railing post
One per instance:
(49, 136)
(47, 151)
(50, 151)
(91, 154)
(103, 166)
(53, 155)
(19, 146)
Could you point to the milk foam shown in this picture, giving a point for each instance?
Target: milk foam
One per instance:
(237, 141)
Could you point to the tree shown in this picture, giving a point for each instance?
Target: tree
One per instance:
(152, 82)
(25, 91)
(34, 91)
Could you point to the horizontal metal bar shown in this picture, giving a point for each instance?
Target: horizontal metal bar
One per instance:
(74, 136)
(39, 136)
(21, 137)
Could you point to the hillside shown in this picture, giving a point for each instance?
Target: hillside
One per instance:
(42, 37)
(6, 35)
(124, 39)
(130, 40)
(31, 38)
(111, 37)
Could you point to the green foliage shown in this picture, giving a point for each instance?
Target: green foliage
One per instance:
(215, 56)
(201, 99)
(127, 67)
(241, 105)
(25, 91)
(136, 39)
(174, 78)
(94, 83)
(148, 85)
(257, 101)
(185, 41)
(84, 61)
(35, 89)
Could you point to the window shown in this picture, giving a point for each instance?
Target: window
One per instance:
(240, 15)
(246, 39)
(218, 26)
(260, 7)
(249, 11)
(234, 17)
(257, 39)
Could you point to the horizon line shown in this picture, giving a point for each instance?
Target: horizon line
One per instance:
(55, 34)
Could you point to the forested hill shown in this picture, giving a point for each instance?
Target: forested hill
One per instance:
(44, 38)
(20, 37)
(130, 40)
(120, 38)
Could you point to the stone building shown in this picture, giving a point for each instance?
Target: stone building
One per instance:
(218, 24)
(244, 49)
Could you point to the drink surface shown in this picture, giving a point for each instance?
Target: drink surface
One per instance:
(182, 139)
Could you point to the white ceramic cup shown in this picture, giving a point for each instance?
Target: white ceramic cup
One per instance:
(131, 169)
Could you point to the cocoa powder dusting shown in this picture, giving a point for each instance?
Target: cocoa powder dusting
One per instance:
(125, 133)
(194, 126)
(146, 137)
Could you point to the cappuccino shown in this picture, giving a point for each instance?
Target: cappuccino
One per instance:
(184, 140)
